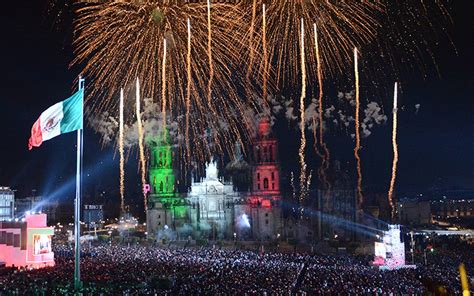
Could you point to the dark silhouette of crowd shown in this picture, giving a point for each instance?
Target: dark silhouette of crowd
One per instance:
(150, 270)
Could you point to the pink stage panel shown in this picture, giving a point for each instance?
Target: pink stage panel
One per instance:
(27, 243)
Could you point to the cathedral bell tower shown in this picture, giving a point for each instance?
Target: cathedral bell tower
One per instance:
(165, 209)
(162, 179)
(264, 201)
(266, 174)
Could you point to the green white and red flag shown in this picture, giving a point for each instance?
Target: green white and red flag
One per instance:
(63, 117)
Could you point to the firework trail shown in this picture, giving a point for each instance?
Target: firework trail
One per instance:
(325, 163)
(122, 157)
(344, 25)
(391, 31)
(265, 53)
(188, 93)
(141, 145)
(360, 197)
(163, 85)
(251, 36)
(209, 53)
(302, 118)
(395, 150)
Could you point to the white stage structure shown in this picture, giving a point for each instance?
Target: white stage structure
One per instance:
(390, 251)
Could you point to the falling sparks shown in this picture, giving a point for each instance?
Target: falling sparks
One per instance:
(265, 53)
(141, 145)
(302, 117)
(395, 150)
(122, 157)
(188, 93)
(163, 85)
(394, 30)
(325, 163)
(360, 197)
(251, 36)
(117, 41)
(209, 53)
(344, 24)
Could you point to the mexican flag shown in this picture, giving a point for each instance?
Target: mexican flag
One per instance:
(63, 117)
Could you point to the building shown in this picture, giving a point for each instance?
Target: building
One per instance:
(36, 204)
(337, 213)
(213, 209)
(211, 202)
(93, 215)
(7, 204)
(452, 208)
(27, 204)
(26, 243)
(167, 211)
(413, 212)
(264, 204)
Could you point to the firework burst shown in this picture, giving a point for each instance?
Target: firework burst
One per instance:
(117, 41)
(342, 26)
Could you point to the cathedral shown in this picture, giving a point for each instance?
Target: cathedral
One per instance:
(212, 208)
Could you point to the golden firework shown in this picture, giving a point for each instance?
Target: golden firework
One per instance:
(119, 41)
(342, 26)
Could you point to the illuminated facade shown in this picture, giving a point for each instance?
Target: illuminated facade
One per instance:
(213, 209)
(264, 201)
(7, 201)
(390, 251)
(165, 208)
(27, 243)
(212, 205)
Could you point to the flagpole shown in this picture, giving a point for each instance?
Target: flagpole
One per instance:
(77, 205)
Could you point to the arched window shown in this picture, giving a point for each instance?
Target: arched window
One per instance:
(265, 183)
(161, 186)
(160, 160)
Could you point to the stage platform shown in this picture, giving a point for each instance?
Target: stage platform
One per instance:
(26, 243)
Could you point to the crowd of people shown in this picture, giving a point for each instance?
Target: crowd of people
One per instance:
(150, 270)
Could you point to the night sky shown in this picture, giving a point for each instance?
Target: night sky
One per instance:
(436, 145)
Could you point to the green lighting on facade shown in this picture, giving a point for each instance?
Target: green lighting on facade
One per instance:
(162, 178)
